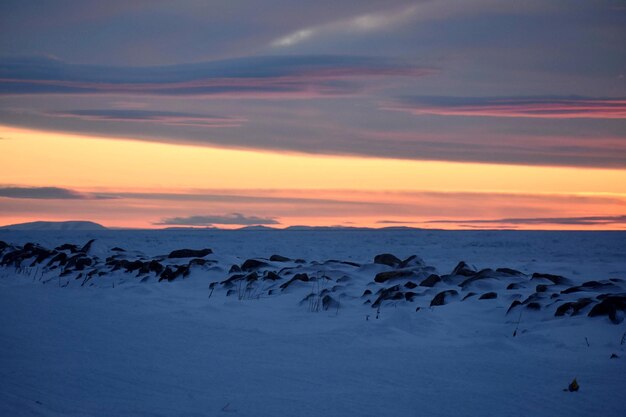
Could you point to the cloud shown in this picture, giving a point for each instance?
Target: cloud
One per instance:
(363, 23)
(572, 107)
(258, 76)
(565, 221)
(161, 117)
(228, 219)
(46, 193)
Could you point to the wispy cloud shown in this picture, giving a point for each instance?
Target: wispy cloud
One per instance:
(363, 23)
(259, 77)
(573, 107)
(571, 221)
(152, 116)
(228, 219)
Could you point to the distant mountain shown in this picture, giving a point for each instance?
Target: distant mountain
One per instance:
(43, 225)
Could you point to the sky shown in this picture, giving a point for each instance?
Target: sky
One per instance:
(471, 114)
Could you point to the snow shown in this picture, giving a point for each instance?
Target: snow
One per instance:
(168, 349)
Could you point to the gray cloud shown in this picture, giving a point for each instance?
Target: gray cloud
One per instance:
(228, 219)
(256, 76)
(46, 193)
(160, 117)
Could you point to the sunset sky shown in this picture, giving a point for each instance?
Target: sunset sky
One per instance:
(438, 113)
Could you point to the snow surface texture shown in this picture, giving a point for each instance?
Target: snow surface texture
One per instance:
(328, 328)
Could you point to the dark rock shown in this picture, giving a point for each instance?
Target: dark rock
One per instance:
(67, 246)
(541, 288)
(431, 281)
(488, 296)
(463, 269)
(410, 285)
(440, 299)
(390, 275)
(573, 307)
(514, 286)
(271, 275)
(189, 253)
(233, 269)
(387, 259)
(170, 274)
(118, 249)
(468, 295)
(514, 304)
(609, 306)
(509, 271)
(297, 277)
(533, 306)
(417, 308)
(614, 356)
(329, 302)
(390, 293)
(233, 278)
(200, 262)
(251, 277)
(252, 264)
(591, 286)
(409, 295)
(412, 261)
(87, 246)
(366, 293)
(482, 274)
(278, 258)
(556, 279)
(60, 258)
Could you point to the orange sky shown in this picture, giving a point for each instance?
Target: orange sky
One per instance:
(289, 188)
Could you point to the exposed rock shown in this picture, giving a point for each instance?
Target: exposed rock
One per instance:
(541, 288)
(297, 277)
(87, 246)
(468, 295)
(573, 307)
(410, 285)
(514, 304)
(533, 306)
(482, 274)
(609, 306)
(170, 274)
(390, 293)
(271, 276)
(413, 261)
(509, 271)
(431, 281)
(514, 286)
(440, 299)
(555, 279)
(233, 269)
(189, 253)
(390, 275)
(252, 264)
(387, 259)
(463, 269)
(488, 296)
(329, 302)
(278, 258)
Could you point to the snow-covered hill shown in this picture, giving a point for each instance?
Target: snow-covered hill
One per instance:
(55, 226)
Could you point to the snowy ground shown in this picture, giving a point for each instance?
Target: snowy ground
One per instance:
(167, 349)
